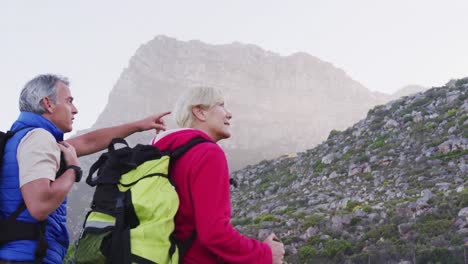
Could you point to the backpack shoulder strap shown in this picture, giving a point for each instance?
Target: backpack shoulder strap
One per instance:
(178, 152)
(4, 137)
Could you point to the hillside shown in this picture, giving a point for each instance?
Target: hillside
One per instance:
(391, 188)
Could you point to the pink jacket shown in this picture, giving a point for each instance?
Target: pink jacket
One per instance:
(201, 177)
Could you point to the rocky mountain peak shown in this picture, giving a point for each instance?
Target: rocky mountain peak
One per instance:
(301, 94)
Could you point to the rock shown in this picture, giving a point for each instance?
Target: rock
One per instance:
(290, 249)
(333, 175)
(263, 233)
(463, 167)
(443, 186)
(460, 188)
(417, 117)
(463, 212)
(328, 158)
(310, 232)
(391, 124)
(404, 228)
(339, 221)
(359, 213)
(426, 195)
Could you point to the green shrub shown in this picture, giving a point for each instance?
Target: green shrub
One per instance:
(355, 221)
(351, 204)
(313, 220)
(333, 133)
(433, 228)
(306, 253)
(362, 158)
(462, 119)
(435, 255)
(388, 231)
(332, 247)
(378, 144)
(460, 82)
(265, 218)
(367, 209)
(367, 176)
(462, 198)
(451, 155)
(451, 113)
(319, 166)
(241, 221)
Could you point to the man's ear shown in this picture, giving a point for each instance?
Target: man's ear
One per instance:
(48, 104)
(199, 112)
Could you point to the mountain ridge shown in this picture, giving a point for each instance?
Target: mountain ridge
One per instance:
(391, 188)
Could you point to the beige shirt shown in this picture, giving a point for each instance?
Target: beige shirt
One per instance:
(38, 156)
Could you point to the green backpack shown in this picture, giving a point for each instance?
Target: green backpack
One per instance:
(134, 204)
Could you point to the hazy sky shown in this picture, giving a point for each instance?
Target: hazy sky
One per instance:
(384, 45)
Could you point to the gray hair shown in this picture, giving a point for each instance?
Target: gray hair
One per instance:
(36, 89)
(205, 96)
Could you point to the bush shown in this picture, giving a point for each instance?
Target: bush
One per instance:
(389, 231)
(367, 176)
(313, 220)
(435, 255)
(367, 209)
(332, 247)
(460, 82)
(451, 113)
(451, 155)
(351, 204)
(333, 133)
(306, 253)
(241, 221)
(463, 119)
(265, 218)
(319, 166)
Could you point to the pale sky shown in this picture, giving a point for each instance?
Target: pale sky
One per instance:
(384, 45)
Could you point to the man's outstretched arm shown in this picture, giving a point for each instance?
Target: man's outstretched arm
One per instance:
(99, 139)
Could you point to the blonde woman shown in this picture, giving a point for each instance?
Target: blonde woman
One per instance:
(201, 177)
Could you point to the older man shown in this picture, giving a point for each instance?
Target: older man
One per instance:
(33, 185)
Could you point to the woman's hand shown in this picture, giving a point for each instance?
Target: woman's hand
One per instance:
(277, 248)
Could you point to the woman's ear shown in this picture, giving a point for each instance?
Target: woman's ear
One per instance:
(48, 104)
(198, 112)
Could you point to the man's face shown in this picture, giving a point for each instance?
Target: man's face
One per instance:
(63, 111)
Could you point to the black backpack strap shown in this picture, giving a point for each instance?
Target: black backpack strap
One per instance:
(185, 245)
(178, 152)
(4, 136)
(42, 245)
(13, 229)
(121, 234)
(89, 180)
(114, 141)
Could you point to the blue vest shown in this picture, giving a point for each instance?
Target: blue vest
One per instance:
(10, 198)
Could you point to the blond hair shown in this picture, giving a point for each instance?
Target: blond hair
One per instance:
(203, 95)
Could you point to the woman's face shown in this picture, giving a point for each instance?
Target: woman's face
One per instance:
(218, 122)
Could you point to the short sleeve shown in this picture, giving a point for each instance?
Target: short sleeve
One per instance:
(38, 156)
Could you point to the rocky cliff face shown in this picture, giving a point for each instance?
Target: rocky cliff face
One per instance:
(280, 104)
(391, 188)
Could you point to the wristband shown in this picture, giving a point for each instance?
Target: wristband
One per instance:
(78, 172)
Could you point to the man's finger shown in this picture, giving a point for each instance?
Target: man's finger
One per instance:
(162, 115)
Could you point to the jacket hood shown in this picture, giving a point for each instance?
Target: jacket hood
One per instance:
(172, 139)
